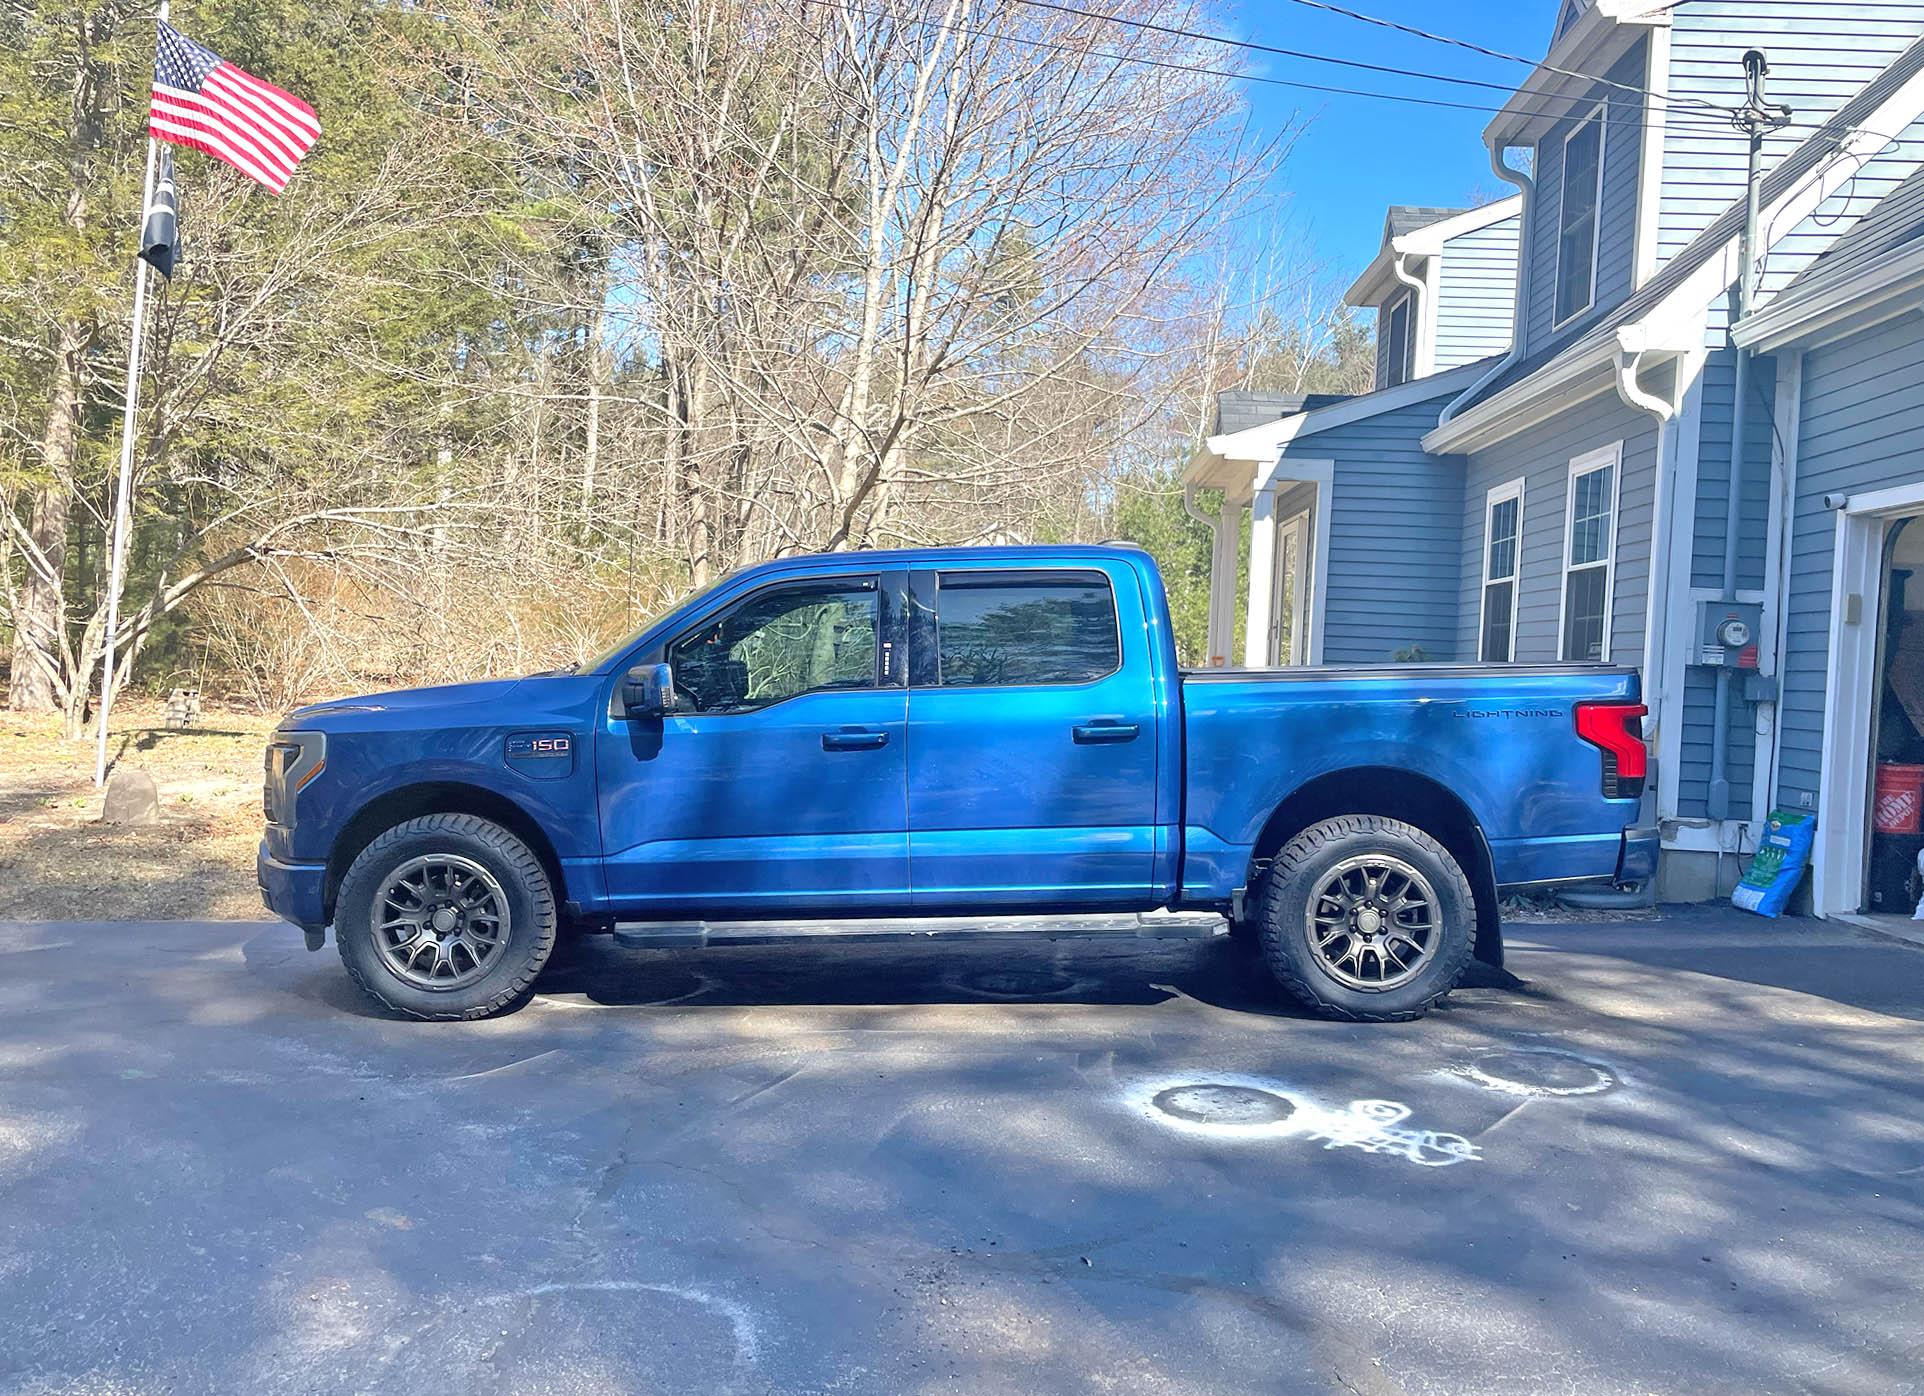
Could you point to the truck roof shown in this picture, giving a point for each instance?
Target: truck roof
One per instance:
(863, 558)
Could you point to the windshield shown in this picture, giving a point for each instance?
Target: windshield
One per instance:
(621, 646)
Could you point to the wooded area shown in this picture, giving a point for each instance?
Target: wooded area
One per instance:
(580, 304)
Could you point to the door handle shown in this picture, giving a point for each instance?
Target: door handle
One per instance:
(1090, 733)
(853, 741)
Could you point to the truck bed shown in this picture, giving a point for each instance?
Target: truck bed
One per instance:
(1500, 739)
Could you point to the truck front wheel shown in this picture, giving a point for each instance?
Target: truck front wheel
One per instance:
(445, 916)
(1367, 918)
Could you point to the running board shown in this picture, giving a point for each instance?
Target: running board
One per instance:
(1149, 925)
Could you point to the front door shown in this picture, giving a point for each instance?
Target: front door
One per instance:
(1032, 744)
(780, 782)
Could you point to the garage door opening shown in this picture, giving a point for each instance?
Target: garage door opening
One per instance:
(1892, 884)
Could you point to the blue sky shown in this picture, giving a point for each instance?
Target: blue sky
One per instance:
(1359, 155)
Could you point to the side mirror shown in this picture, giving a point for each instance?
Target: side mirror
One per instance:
(649, 691)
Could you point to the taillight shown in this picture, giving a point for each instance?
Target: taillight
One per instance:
(1616, 729)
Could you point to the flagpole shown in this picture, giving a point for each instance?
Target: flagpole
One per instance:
(123, 496)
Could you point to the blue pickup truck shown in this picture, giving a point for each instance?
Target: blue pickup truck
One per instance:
(968, 738)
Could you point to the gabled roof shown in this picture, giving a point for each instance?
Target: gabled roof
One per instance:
(1407, 218)
(1666, 311)
(1588, 39)
(1228, 455)
(1413, 230)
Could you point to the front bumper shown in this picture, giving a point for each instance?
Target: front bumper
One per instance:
(296, 892)
(1637, 859)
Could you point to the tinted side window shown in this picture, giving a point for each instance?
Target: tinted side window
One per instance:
(999, 629)
(777, 644)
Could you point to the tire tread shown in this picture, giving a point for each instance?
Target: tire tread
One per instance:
(521, 861)
(1291, 860)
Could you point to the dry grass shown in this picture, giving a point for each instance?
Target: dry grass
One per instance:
(59, 862)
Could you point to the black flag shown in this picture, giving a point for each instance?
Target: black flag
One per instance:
(160, 232)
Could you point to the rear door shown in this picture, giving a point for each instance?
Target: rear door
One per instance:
(1032, 738)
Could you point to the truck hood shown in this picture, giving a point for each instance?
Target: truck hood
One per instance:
(449, 695)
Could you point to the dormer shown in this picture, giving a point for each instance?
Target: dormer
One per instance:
(1443, 285)
(1621, 138)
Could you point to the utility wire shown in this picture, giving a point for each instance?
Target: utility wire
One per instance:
(1721, 122)
(1254, 47)
(1454, 42)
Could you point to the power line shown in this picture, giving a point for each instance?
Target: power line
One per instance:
(1199, 71)
(1254, 47)
(1454, 42)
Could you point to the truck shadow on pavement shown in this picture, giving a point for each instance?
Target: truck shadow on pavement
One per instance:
(592, 971)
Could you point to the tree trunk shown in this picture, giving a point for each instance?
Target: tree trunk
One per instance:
(38, 681)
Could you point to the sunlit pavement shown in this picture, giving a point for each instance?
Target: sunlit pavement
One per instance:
(1681, 1157)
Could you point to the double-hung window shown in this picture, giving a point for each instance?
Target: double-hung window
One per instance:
(1502, 532)
(1590, 554)
(1579, 190)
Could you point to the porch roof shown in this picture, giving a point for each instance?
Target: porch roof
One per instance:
(1879, 258)
(1233, 459)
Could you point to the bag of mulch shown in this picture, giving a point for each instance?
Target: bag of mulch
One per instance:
(1778, 864)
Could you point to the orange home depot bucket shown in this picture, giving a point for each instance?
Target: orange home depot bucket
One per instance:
(1899, 798)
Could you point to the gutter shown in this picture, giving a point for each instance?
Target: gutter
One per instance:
(1894, 281)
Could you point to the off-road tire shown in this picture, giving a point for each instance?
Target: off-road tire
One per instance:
(1284, 918)
(531, 933)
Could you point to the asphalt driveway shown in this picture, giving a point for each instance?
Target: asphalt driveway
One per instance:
(1681, 1157)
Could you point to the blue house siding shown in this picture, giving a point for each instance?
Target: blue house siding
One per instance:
(1394, 547)
(1476, 294)
(1616, 209)
(1821, 53)
(1707, 570)
(1713, 473)
(1541, 456)
(1862, 428)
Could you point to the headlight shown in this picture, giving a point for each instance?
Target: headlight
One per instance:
(292, 760)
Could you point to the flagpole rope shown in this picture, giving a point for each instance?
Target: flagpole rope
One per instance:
(123, 496)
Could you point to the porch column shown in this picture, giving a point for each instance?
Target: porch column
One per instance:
(1223, 553)
(1262, 578)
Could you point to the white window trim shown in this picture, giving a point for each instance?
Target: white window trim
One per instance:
(1263, 553)
(1407, 303)
(1585, 464)
(1601, 115)
(1498, 494)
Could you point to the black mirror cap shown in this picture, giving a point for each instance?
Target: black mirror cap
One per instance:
(648, 690)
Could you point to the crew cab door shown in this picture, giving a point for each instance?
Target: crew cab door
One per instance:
(1032, 737)
(780, 780)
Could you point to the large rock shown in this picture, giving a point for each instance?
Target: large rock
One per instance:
(131, 799)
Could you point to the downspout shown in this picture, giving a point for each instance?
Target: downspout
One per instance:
(1419, 307)
(1521, 307)
(1189, 508)
(1662, 410)
(1215, 527)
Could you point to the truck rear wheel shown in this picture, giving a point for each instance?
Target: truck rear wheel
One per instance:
(446, 916)
(1367, 918)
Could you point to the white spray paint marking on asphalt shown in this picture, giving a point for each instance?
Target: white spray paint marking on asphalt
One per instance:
(740, 1321)
(1220, 1106)
(1535, 1072)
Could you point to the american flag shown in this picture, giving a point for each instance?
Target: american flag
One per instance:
(206, 103)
